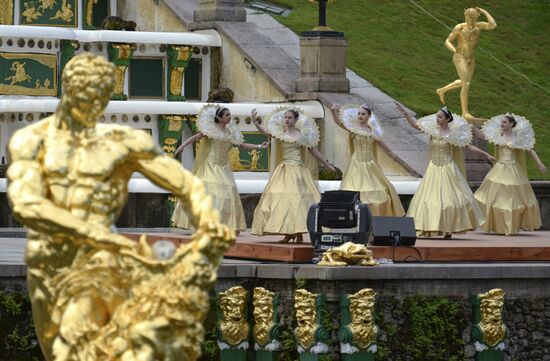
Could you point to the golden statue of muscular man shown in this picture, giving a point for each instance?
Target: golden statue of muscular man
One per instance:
(466, 36)
(95, 294)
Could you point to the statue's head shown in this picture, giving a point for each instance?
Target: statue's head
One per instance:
(491, 304)
(362, 306)
(87, 84)
(471, 15)
(232, 304)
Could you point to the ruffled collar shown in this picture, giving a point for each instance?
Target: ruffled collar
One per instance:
(348, 117)
(524, 136)
(460, 131)
(309, 132)
(208, 127)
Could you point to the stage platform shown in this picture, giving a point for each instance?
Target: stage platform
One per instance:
(469, 247)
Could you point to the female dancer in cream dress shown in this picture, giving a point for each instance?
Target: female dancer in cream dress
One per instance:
(443, 203)
(505, 196)
(363, 174)
(217, 135)
(291, 189)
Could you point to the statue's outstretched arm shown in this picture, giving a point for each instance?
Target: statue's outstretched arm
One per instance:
(26, 193)
(213, 238)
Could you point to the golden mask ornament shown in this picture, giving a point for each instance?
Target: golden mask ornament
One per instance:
(95, 294)
(233, 325)
(491, 324)
(265, 318)
(306, 314)
(362, 324)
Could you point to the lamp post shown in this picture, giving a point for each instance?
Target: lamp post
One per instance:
(322, 30)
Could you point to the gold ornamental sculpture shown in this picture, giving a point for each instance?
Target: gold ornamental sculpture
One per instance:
(347, 254)
(466, 36)
(489, 330)
(95, 294)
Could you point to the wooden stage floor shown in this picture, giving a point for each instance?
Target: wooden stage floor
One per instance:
(469, 247)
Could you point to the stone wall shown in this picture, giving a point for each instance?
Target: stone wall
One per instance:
(150, 15)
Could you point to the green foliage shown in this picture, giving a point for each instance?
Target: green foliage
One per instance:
(18, 340)
(209, 347)
(399, 48)
(421, 329)
(300, 283)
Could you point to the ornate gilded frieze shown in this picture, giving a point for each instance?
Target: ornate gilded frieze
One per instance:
(49, 12)
(120, 55)
(6, 12)
(178, 57)
(28, 74)
(255, 160)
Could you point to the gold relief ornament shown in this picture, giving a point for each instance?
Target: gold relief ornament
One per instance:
(176, 80)
(95, 294)
(233, 328)
(460, 131)
(490, 331)
(208, 127)
(312, 337)
(462, 42)
(309, 132)
(524, 136)
(90, 11)
(65, 13)
(348, 117)
(358, 331)
(266, 320)
(348, 254)
(6, 12)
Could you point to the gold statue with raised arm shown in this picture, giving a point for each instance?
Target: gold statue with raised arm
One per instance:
(466, 36)
(95, 294)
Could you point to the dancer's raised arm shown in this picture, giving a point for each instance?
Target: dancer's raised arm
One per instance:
(407, 116)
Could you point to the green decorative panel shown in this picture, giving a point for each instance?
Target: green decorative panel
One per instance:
(49, 12)
(192, 80)
(95, 11)
(147, 78)
(28, 74)
(6, 12)
(256, 160)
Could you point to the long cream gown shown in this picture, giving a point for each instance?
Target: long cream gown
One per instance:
(220, 184)
(365, 176)
(443, 203)
(506, 197)
(290, 191)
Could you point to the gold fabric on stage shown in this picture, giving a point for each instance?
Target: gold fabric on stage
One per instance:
(212, 167)
(444, 203)
(365, 176)
(506, 197)
(286, 199)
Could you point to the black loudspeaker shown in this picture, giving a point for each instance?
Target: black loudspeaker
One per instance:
(393, 231)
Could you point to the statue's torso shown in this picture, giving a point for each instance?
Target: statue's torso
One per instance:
(85, 176)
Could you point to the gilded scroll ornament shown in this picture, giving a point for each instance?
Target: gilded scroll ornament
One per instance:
(348, 254)
(233, 326)
(266, 320)
(176, 81)
(90, 12)
(312, 337)
(489, 332)
(466, 36)
(179, 57)
(120, 55)
(358, 331)
(95, 294)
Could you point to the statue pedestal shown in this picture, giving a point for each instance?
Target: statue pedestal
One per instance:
(360, 356)
(323, 65)
(267, 355)
(477, 166)
(490, 355)
(219, 10)
(233, 355)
